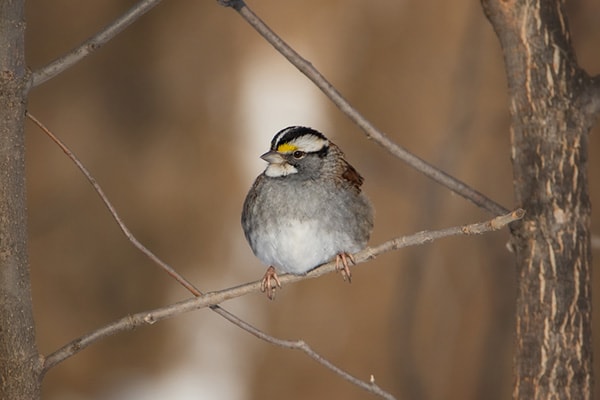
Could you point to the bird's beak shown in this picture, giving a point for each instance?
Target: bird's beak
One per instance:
(273, 157)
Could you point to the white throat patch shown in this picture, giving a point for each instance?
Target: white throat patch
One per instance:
(277, 170)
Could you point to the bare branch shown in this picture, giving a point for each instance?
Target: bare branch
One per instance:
(212, 299)
(305, 348)
(92, 44)
(113, 212)
(370, 130)
(130, 322)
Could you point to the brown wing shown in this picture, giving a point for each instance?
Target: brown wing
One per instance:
(352, 176)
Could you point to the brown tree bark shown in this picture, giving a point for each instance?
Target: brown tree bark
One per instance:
(553, 104)
(20, 363)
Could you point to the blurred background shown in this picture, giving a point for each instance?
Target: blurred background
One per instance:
(171, 116)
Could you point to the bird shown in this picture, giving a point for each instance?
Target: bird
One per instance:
(305, 208)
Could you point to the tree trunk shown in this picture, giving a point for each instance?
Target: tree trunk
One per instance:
(20, 363)
(553, 104)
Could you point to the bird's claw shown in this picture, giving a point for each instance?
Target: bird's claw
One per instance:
(270, 282)
(344, 268)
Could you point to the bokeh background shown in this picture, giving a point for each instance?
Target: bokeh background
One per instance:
(171, 116)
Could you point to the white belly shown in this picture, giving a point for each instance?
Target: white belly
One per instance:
(297, 246)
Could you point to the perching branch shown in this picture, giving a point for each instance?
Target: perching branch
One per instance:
(130, 322)
(212, 299)
(93, 43)
(370, 130)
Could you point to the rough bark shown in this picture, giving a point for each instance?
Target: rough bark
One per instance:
(19, 359)
(552, 113)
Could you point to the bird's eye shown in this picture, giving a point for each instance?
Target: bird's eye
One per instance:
(298, 154)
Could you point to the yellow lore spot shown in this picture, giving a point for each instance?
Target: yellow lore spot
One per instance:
(286, 148)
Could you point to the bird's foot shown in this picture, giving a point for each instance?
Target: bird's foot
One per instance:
(269, 283)
(342, 259)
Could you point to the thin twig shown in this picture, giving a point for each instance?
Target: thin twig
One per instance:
(93, 43)
(370, 130)
(130, 322)
(212, 299)
(113, 212)
(305, 348)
